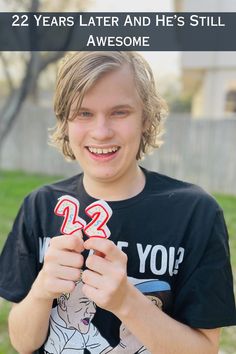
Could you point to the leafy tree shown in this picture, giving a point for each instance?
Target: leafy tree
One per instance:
(34, 62)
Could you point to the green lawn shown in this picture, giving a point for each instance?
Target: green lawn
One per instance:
(15, 185)
(228, 203)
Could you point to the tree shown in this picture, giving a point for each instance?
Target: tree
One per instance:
(35, 64)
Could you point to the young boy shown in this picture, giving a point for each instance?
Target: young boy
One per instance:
(162, 282)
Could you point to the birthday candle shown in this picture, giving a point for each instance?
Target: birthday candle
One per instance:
(100, 212)
(68, 207)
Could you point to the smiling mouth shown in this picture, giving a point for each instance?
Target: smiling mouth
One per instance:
(102, 152)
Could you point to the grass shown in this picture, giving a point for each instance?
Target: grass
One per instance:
(228, 204)
(14, 186)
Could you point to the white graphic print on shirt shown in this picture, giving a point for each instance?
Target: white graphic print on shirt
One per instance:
(72, 330)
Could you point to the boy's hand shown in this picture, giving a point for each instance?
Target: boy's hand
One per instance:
(62, 267)
(105, 280)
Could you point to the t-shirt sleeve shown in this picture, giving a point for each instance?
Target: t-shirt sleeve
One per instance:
(17, 260)
(205, 299)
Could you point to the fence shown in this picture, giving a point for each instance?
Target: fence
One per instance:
(199, 151)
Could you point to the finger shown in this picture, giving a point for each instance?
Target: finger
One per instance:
(59, 286)
(70, 259)
(68, 273)
(78, 233)
(91, 293)
(100, 254)
(98, 296)
(70, 243)
(107, 247)
(98, 264)
(64, 258)
(92, 279)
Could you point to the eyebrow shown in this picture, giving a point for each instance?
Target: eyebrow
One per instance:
(123, 106)
(114, 107)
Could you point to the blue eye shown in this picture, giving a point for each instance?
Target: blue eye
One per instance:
(85, 114)
(119, 113)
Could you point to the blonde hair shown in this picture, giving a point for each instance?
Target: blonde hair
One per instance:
(79, 71)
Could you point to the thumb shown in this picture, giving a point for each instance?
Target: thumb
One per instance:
(78, 233)
(80, 242)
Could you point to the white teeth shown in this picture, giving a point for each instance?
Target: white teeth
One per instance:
(102, 151)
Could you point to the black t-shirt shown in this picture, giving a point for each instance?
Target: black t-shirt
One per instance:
(177, 245)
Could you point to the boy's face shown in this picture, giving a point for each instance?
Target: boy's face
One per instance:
(105, 136)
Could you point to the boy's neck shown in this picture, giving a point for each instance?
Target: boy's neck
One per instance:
(125, 187)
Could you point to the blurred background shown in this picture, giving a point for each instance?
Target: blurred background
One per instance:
(200, 138)
(200, 88)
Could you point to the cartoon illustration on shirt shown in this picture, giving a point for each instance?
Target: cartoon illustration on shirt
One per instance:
(72, 331)
(159, 293)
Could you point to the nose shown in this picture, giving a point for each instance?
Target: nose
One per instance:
(102, 129)
(91, 309)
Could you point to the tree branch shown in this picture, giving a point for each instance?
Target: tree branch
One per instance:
(7, 72)
(34, 6)
(49, 58)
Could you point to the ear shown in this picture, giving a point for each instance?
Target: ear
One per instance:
(62, 302)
